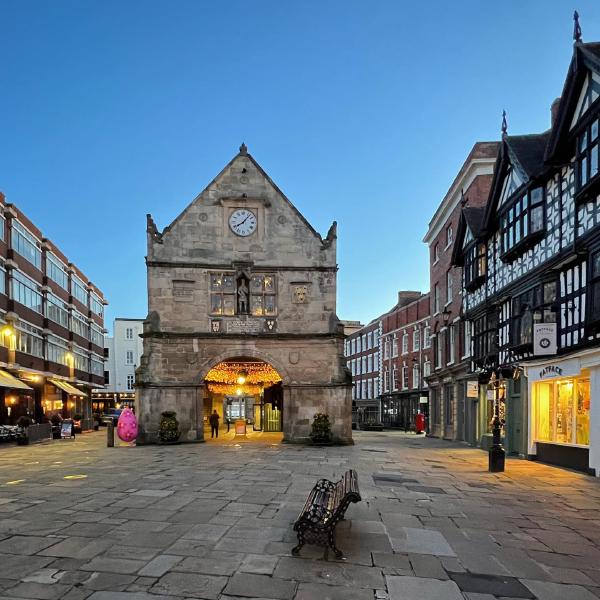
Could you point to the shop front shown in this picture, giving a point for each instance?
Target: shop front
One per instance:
(399, 410)
(564, 428)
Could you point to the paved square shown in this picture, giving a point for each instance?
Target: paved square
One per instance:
(214, 521)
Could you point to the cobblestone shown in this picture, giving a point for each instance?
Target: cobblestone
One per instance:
(215, 521)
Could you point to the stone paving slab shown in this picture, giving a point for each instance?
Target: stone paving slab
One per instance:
(214, 521)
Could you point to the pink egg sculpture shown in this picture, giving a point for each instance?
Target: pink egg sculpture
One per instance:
(127, 426)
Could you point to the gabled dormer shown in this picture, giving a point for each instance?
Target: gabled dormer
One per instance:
(575, 132)
(516, 208)
(470, 250)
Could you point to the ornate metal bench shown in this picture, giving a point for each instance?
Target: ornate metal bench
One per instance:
(325, 506)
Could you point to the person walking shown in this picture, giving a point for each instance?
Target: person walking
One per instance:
(214, 424)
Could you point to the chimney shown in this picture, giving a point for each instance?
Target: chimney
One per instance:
(406, 297)
(554, 111)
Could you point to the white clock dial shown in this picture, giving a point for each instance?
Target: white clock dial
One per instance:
(242, 222)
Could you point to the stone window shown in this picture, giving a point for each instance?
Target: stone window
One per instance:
(222, 294)
(262, 295)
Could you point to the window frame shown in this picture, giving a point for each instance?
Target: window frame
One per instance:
(583, 190)
(29, 241)
(516, 217)
(475, 267)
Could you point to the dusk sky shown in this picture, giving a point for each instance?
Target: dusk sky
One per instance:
(361, 112)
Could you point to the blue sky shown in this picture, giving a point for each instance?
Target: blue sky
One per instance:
(361, 112)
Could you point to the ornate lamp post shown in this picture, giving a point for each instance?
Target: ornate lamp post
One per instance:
(497, 454)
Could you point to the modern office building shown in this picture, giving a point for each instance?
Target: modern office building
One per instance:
(51, 327)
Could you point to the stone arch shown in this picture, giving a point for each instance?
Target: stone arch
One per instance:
(245, 353)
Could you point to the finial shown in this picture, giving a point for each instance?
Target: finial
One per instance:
(504, 124)
(576, 28)
(243, 149)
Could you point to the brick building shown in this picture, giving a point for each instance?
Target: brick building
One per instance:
(52, 326)
(451, 413)
(361, 349)
(405, 359)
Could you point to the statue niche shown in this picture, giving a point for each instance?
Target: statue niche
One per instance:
(243, 295)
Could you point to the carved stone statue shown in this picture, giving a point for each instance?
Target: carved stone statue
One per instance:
(242, 293)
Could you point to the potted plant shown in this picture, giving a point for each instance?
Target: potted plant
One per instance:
(320, 431)
(56, 421)
(23, 423)
(168, 430)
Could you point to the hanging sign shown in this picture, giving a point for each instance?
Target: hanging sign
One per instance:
(472, 389)
(544, 339)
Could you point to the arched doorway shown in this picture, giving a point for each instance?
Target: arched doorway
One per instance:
(244, 388)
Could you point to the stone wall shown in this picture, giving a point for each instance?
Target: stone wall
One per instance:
(183, 340)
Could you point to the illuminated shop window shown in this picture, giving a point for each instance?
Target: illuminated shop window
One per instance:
(562, 411)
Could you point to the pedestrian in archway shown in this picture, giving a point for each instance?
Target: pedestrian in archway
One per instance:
(214, 424)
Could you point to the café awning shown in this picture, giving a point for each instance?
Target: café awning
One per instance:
(8, 381)
(67, 387)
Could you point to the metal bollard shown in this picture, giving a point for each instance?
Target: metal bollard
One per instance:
(110, 435)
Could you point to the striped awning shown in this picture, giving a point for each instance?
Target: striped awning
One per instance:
(67, 387)
(8, 381)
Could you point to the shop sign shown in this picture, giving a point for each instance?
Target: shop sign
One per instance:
(490, 394)
(472, 389)
(551, 371)
(544, 339)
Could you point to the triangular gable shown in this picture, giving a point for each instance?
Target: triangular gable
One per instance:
(513, 180)
(243, 152)
(580, 90)
(590, 92)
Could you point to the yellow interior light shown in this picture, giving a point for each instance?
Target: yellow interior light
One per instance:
(75, 477)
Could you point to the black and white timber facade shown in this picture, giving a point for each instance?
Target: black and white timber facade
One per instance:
(531, 280)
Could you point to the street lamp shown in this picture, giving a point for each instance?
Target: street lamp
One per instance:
(497, 454)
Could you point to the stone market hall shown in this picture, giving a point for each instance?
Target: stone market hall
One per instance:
(242, 315)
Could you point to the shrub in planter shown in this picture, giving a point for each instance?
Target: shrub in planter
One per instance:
(320, 431)
(168, 430)
(55, 420)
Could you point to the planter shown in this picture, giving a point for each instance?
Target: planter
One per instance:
(22, 440)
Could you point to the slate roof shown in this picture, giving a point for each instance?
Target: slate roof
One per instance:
(528, 151)
(474, 218)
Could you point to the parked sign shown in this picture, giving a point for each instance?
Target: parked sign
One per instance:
(472, 389)
(66, 429)
(544, 339)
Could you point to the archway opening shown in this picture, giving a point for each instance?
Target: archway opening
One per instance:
(244, 389)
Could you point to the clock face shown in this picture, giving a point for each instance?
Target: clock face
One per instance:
(242, 222)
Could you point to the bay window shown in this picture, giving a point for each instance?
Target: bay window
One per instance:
(475, 268)
(587, 155)
(485, 336)
(522, 224)
(26, 244)
(57, 311)
(26, 291)
(57, 271)
(536, 305)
